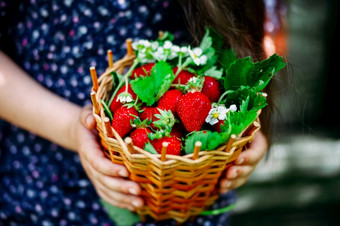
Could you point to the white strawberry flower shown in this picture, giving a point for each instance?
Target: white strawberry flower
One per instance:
(124, 98)
(219, 113)
(141, 44)
(160, 54)
(167, 45)
(216, 114)
(196, 55)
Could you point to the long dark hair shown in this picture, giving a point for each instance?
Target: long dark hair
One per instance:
(241, 23)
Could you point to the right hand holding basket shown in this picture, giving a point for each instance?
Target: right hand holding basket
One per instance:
(245, 164)
(108, 179)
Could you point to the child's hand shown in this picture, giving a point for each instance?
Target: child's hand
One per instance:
(109, 179)
(245, 164)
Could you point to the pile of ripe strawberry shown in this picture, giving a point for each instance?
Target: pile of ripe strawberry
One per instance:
(190, 109)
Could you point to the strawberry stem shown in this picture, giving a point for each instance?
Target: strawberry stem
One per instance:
(223, 95)
(181, 66)
(107, 110)
(128, 73)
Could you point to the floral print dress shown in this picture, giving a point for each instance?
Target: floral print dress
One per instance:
(56, 41)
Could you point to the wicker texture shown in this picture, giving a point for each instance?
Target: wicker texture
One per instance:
(180, 186)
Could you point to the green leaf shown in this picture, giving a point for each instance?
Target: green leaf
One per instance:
(265, 70)
(120, 216)
(213, 72)
(243, 72)
(238, 74)
(150, 88)
(226, 57)
(240, 120)
(246, 99)
(149, 148)
(210, 140)
(206, 41)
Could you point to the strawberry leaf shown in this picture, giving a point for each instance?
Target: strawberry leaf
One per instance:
(210, 140)
(243, 72)
(150, 88)
(149, 148)
(213, 72)
(240, 120)
(226, 57)
(246, 99)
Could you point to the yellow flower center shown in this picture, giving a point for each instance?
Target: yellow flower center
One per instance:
(215, 115)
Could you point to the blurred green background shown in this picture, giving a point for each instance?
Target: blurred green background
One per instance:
(299, 181)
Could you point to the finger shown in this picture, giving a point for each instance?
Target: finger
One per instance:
(104, 166)
(227, 185)
(128, 200)
(256, 151)
(96, 158)
(119, 185)
(235, 172)
(114, 202)
(86, 117)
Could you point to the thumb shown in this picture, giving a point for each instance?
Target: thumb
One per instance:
(86, 117)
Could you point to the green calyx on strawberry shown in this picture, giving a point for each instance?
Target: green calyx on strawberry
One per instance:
(122, 119)
(142, 71)
(164, 124)
(193, 108)
(174, 145)
(148, 113)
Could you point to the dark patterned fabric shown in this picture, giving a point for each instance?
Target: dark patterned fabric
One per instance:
(56, 41)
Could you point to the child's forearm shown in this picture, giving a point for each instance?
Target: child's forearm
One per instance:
(30, 106)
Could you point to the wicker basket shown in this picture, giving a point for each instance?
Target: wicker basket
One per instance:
(173, 187)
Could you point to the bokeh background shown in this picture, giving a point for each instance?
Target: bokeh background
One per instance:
(298, 183)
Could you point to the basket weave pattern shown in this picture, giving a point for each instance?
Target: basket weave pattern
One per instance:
(180, 186)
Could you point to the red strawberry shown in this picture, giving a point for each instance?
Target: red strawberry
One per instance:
(149, 113)
(183, 77)
(174, 145)
(140, 137)
(116, 103)
(211, 88)
(178, 131)
(218, 125)
(193, 108)
(169, 100)
(122, 120)
(140, 70)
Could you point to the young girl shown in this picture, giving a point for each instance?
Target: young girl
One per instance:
(51, 166)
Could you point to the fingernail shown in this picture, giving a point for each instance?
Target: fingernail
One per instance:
(136, 203)
(88, 120)
(228, 184)
(240, 161)
(133, 191)
(123, 173)
(234, 175)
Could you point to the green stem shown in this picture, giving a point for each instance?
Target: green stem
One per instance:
(218, 211)
(107, 110)
(181, 66)
(122, 81)
(223, 95)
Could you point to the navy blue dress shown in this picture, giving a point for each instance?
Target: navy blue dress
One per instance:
(56, 42)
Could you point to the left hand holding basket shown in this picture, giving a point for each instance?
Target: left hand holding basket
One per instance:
(110, 180)
(238, 174)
